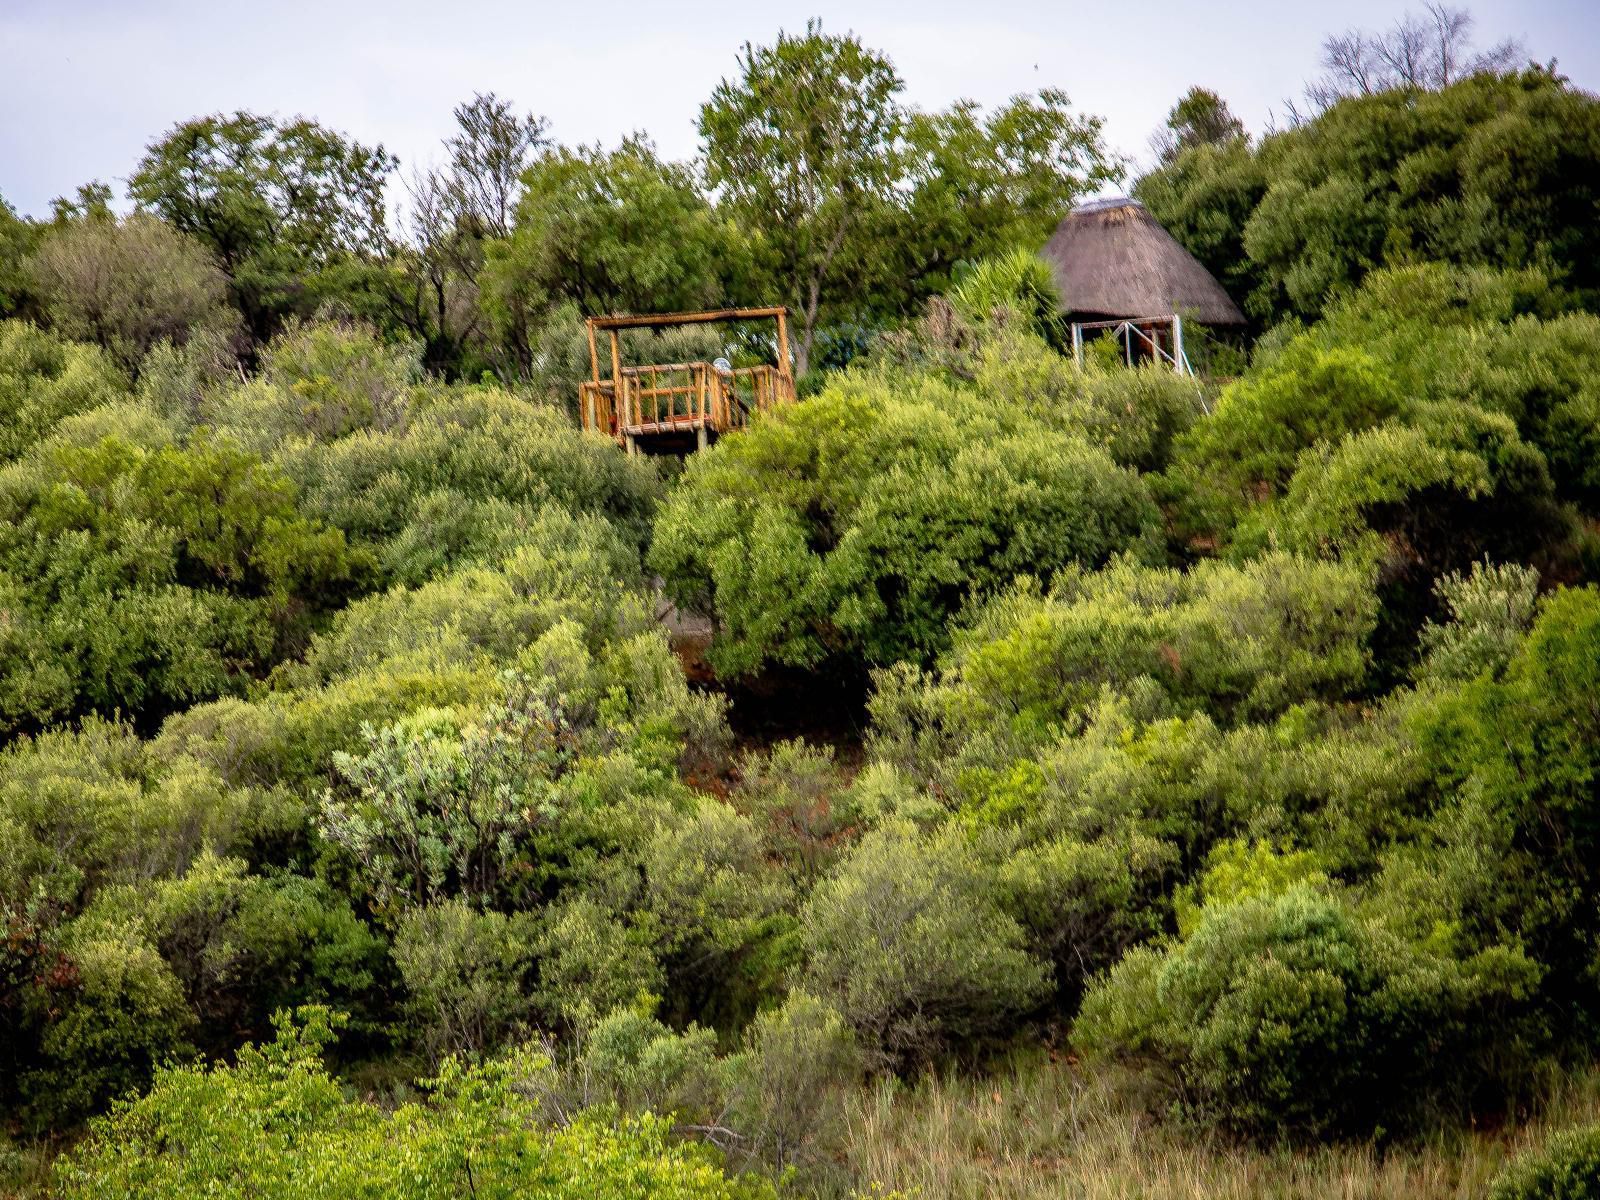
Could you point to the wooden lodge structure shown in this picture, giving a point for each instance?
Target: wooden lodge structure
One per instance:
(1121, 275)
(672, 408)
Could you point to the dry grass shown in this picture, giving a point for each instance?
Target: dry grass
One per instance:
(1054, 1131)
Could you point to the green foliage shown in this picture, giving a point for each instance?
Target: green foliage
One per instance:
(277, 1125)
(127, 285)
(908, 942)
(1135, 415)
(1489, 612)
(123, 1016)
(43, 380)
(464, 972)
(858, 523)
(786, 1085)
(981, 183)
(1567, 1167)
(16, 239)
(864, 206)
(1519, 754)
(280, 205)
(140, 575)
(617, 231)
(793, 796)
(1288, 1014)
(434, 810)
(1199, 118)
(801, 145)
(81, 809)
(1018, 285)
(1243, 642)
(463, 469)
(1491, 170)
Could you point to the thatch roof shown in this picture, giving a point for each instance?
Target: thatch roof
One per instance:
(1111, 258)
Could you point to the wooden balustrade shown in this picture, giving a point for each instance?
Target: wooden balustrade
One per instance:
(695, 398)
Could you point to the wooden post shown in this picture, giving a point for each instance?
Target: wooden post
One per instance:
(1177, 343)
(594, 352)
(1077, 344)
(616, 380)
(783, 344)
(700, 436)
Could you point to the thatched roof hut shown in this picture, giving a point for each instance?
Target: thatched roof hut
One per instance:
(1112, 259)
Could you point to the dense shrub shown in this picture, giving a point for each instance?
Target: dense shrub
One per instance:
(1565, 1168)
(82, 809)
(143, 576)
(1288, 1014)
(908, 941)
(44, 379)
(855, 525)
(1242, 642)
(276, 1124)
(465, 974)
(103, 1038)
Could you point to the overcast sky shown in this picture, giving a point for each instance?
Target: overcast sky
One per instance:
(86, 84)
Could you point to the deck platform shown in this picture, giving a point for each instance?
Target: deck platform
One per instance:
(675, 408)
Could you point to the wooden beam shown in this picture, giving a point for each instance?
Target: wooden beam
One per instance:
(594, 353)
(708, 316)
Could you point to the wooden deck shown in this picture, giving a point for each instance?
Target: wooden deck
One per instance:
(673, 408)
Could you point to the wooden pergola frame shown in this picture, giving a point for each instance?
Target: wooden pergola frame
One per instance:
(616, 323)
(665, 402)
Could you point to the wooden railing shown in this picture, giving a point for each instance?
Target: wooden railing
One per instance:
(671, 397)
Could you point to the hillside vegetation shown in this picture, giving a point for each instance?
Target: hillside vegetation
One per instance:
(1207, 794)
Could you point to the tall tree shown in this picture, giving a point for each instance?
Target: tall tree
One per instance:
(278, 204)
(1199, 118)
(455, 211)
(1428, 51)
(804, 144)
(979, 184)
(16, 240)
(606, 231)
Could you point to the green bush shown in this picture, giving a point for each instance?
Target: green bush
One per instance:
(44, 379)
(1289, 1014)
(275, 1124)
(475, 450)
(1567, 1167)
(1237, 642)
(142, 577)
(465, 973)
(854, 526)
(787, 1083)
(908, 941)
(1136, 415)
(81, 809)
(125, 1016)
(245, 945)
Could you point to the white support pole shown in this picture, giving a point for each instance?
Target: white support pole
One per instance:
(1178, 355)
(1077, 344)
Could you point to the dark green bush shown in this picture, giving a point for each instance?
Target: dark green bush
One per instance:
(1289, 1014)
